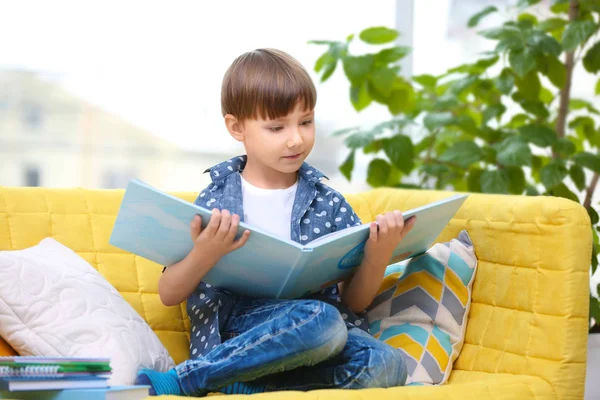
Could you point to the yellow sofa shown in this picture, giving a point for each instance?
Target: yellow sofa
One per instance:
(527, 331)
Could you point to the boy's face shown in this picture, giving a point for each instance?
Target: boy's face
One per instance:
(280, 144)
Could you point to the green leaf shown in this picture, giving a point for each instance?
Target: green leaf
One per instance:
(401, 99)
(378, 172)
(588, 160)
(597, 91)
(564, 146)
(378, 35)
(493, 111)
(359, 96)
(373, 147)
(552, 24)
(527, 3)
(560, 6)
(539, 135)
(593, 215)
(577, 176)
(462, 153)
(435, 169)
(382, 79)
(426, 80)
(522, 60)
(561, 190)
(544, 43)
(474, 180)
(494, 182)
(591, 60)
(529, 86)
(357, 67)
(359, 139)
(328, 71)
(513, 151)
(576, 33)
(391, 55)
(578, 104)
(325, 59)
(529, 18)
(475, 19)
(554, 70)
(348, 165)
(502, 33)
(400, 151)
(594, 308)
(516, 179)
(553, 174)
(535, 107)
(584, 126)
(546, 96)
(460, 85)
(436, 119)
(505, 81)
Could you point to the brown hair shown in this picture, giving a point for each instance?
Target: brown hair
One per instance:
(266, 83)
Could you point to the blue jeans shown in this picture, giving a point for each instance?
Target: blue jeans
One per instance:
(292, 345)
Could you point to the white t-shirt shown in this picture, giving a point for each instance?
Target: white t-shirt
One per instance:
(269, 209)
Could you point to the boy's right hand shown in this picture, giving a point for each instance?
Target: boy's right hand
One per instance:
(218, 238)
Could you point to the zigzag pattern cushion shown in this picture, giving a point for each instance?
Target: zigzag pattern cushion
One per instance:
(422, 308)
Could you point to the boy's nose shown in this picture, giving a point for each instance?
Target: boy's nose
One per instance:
(295, 139)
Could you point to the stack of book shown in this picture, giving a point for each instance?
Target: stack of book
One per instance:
(61, 378)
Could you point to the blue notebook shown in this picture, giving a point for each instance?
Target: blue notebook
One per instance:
(109, 393)
(156, 226)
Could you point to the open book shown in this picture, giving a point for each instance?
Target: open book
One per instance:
(156, 226)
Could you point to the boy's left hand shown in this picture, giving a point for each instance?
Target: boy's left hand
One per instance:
(383, 241)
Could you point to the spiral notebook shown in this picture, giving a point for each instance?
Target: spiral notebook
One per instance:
(42, 373)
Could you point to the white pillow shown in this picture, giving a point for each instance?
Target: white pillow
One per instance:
(53, 303)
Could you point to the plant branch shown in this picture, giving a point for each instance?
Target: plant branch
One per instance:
(565, 92)
(587, 203)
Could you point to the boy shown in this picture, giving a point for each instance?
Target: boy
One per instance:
(247, 345)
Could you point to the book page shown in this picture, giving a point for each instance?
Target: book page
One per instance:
(156, 226)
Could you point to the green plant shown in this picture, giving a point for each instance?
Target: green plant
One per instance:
(505, 123)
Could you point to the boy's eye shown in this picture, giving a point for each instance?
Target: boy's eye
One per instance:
(276, 128)
(307, 122)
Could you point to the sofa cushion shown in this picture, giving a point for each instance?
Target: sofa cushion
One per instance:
(53, 303)
(422, 308)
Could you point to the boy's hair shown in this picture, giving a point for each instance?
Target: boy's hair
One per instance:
(266, 83)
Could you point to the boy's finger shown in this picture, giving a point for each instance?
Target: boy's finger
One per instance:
(373, 232)
(195, 227)
(390, 219)
(213, 224)
(233, 228)
(383, 228)
(242, 240)
(399, 220)
(225, 224)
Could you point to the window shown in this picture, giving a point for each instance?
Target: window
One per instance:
(116, 179)
(32, 176)
(32, 116)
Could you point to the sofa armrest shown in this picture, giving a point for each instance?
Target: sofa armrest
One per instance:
(529, 311)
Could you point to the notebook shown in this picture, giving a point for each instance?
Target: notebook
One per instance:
(109, 393)
(22, 373)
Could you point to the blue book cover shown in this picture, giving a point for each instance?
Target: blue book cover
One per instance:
(109, 393)
(156, 226)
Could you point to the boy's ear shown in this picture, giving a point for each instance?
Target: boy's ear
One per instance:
(235, 127)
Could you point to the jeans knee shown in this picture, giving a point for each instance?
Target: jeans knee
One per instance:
(323, 327)
(386, 368)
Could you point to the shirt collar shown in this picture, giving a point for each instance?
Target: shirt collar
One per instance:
(222, 170)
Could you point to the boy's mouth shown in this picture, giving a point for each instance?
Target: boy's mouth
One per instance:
(293, 157)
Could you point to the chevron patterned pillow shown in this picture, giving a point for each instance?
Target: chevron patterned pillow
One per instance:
(422, 308)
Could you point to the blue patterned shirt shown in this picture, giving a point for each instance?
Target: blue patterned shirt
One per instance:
(317, 211)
